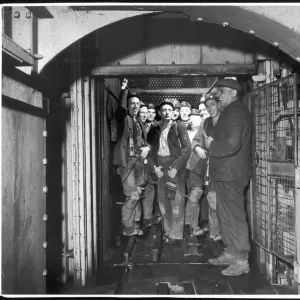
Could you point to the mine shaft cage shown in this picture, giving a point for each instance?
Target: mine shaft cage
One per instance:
(275, 167)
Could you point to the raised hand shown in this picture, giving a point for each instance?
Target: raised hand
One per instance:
(124, 84)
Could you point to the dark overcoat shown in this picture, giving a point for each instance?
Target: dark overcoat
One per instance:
(230, 151)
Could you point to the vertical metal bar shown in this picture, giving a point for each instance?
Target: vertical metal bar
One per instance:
(268, 104)
(297, 175)
(88, 177)
(253, 179)
(100, 136)
(81, 179)
(64, 198)
(94, 172)
(296, 108)
(69, 216)
(74, 108)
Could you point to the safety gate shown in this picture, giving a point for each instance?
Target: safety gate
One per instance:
(275, 158)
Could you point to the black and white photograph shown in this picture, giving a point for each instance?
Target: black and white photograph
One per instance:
(150, 150)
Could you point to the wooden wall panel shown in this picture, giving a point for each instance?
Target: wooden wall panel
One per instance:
(22, 93)
(23, 203)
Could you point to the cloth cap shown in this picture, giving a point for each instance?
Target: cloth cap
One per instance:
(185, 104)
(231, 83)
(166, 102)
(151, 106)
(195, 112)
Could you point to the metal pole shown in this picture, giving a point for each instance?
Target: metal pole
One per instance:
(75, 170)
(94, 173)
(297, 180)
(88, 185)
(69, 216)
(80, 146)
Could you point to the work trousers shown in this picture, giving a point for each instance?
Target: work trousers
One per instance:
(148, 201)
(232, 216)
(133, 178)
(194, 185)
(172, 210)
(212, 212)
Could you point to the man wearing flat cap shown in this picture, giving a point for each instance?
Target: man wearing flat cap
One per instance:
(170, 151)
(229, 153)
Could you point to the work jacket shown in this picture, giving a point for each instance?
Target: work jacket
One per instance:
(178, 142)
(230, 151)
(125, 129)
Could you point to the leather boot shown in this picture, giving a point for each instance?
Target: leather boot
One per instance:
(238, 268)
(225, 259)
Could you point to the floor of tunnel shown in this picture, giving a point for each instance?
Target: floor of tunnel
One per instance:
(179, 269)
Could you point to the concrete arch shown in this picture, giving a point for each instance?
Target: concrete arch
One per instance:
(279, 25)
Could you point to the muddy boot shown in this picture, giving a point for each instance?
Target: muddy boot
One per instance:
(225, 259)
(238, 268)
(129, 231)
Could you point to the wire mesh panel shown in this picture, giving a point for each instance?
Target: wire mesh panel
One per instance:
(169, 83)
(282, 145)
(260, 203)
(275, 148)
(282, 217)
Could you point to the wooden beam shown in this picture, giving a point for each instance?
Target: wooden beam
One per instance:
(175, 70)
(181, 91)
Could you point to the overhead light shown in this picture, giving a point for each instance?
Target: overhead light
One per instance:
(252, 31)
(275, 44)
(225, 24)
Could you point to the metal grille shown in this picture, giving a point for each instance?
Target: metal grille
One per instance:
(170, 83)
(275, 146)
(260, 203)
(282, 217)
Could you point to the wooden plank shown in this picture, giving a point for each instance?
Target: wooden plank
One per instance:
(24, 107)
(23, 203)
(23, 93)
(155, 70)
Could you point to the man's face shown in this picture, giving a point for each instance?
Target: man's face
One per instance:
(143, 113)
(226, 96)
(175, 114)
(185, 113)
(203, 111)
(195, 121)
(213, 107)
(166, 112)
(134, 106)
(151, 114)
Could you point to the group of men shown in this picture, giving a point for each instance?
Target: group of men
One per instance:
(177, 153)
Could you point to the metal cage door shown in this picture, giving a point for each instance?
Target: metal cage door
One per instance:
(275, 113)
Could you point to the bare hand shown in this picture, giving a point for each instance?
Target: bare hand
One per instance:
(172, 173)
(208, 141)
(201, 152)
(124, 84)
(145, 151)
(158, 171)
